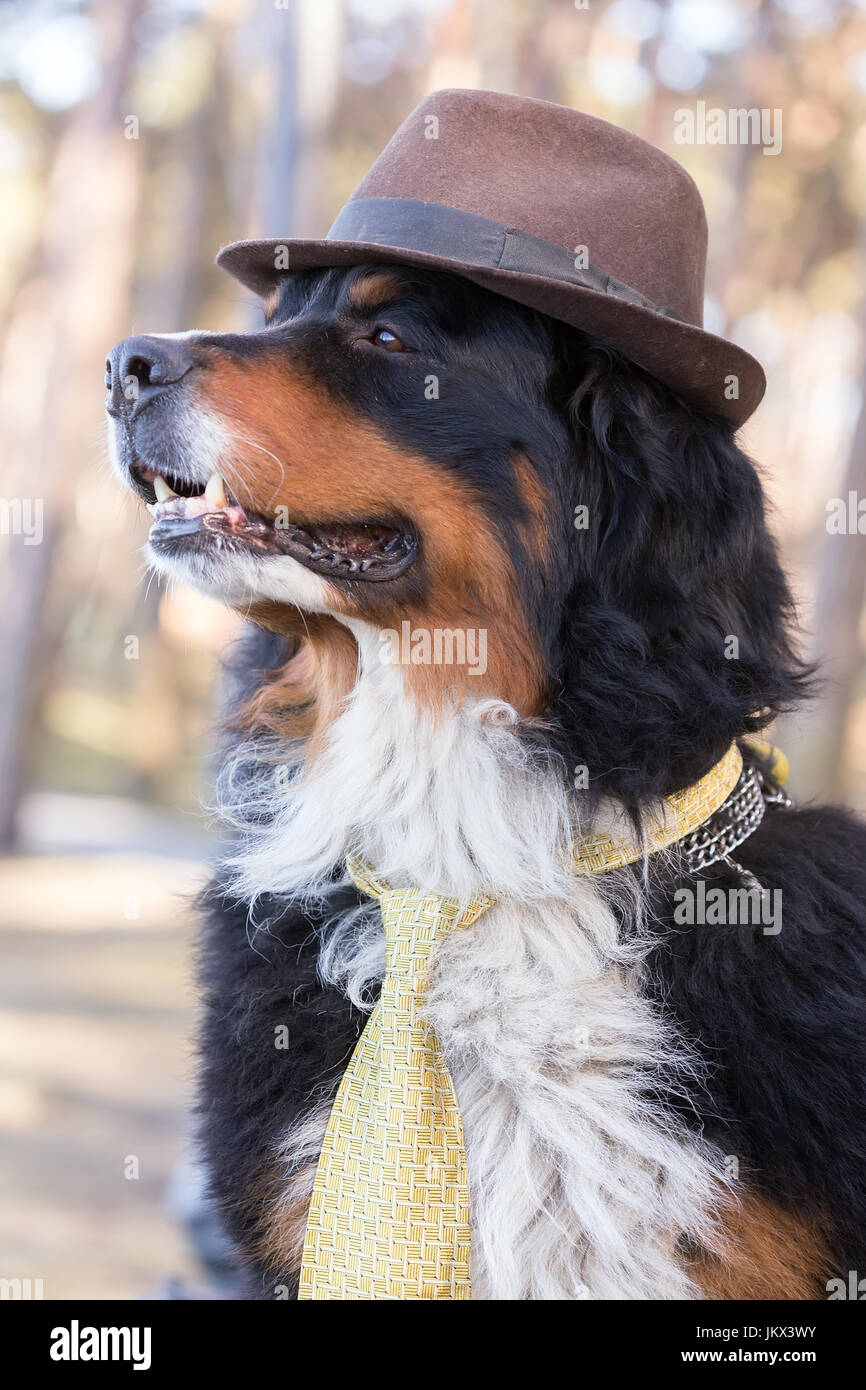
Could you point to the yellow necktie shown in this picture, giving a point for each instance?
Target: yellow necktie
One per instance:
(389, 1213)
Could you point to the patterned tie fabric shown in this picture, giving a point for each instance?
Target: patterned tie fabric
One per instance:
(389, 1213)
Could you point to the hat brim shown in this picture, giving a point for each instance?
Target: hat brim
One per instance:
(703, 369)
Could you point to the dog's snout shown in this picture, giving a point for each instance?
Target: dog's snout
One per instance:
(138, 369)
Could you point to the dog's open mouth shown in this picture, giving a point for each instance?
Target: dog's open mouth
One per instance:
(188, 515)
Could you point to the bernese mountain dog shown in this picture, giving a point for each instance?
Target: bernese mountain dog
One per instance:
(655, 1106)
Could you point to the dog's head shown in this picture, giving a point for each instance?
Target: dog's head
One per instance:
(402, 453)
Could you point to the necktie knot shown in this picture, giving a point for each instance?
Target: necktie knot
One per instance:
(414, 921)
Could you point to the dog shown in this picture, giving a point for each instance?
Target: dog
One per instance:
(658, 1103)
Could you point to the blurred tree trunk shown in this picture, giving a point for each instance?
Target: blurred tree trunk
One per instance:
(654, 120)
(295, 148)
(67, 311)
(818, 736)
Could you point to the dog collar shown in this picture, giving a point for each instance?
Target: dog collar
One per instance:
(706, 822)
(680, 815)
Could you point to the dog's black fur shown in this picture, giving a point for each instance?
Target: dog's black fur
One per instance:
(631, 614)
(780, 1019)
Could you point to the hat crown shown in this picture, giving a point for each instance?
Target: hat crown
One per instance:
(556, 210)
(561, 175)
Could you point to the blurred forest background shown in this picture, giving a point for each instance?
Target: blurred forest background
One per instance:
(136, 137)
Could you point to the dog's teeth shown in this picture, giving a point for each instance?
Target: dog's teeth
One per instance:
(215, 491)
(162, 489)
(151, 507)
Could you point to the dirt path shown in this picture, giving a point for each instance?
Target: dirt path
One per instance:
(96, 1008)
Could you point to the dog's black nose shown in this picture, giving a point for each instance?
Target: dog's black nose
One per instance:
(137, 369)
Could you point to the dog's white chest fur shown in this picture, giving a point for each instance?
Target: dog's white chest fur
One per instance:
(581, 1184)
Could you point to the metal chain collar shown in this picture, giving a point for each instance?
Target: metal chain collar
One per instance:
(736, 819)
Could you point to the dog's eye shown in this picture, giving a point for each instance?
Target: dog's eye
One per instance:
(384, 338)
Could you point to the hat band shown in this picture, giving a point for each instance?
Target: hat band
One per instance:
(470, 240)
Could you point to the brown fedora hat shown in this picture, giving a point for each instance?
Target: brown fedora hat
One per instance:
(558, 210)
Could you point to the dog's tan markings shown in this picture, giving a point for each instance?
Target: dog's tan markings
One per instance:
(536, 498)
(293, 446)
(270, 302)
(376, 289)
(769, 1252)
(303, 697)
(472, 587)
(285, 1207)
(276, 1207)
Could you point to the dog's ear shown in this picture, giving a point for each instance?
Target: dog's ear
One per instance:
(676, 633)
